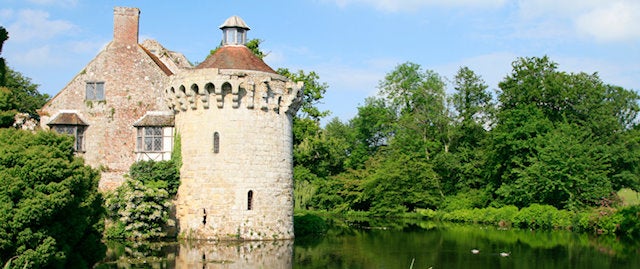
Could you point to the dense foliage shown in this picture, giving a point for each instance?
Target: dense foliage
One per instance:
(140, 208)
(548, 138)
(50, 208)
(158, 175)
(138, 211)
(17, 93)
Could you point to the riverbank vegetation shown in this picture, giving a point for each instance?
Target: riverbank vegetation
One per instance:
(548, 149)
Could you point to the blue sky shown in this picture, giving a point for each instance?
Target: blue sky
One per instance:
(351, 44)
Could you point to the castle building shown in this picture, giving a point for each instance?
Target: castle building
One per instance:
(233, 114)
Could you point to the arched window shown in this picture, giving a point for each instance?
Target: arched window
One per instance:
(216, 142)
(249, 200)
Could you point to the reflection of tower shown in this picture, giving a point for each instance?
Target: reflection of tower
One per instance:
(233, 114)
(249, 254)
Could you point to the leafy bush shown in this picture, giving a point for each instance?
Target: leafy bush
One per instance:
(630, 224)
(535, 216)
(51, 213)
(470, 199)
(605, 220)
(309, 224)
(157, 174)
(139, 212)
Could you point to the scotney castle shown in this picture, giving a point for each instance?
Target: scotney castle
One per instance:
(232, 114)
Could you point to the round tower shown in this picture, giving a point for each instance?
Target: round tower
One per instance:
(233, 114)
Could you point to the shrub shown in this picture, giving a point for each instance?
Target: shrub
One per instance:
(157, 174)
(535, 216)
(426, 213)
(138, 211)
(51, 213)
(630, 222)
(608, 224)
(309, 224)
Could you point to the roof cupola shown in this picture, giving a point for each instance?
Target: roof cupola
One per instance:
(234, 31)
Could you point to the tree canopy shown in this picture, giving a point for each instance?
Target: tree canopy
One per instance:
(568, 140)
(50, 208)
(17, 92)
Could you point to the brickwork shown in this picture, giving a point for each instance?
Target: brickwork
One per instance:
(133, 85)
(234, 123)
(125, 25)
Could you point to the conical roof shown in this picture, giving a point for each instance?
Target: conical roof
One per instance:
(234, 22)
(235, 57)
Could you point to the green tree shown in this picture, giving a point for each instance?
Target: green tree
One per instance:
(372, 128)
(17, 93)
(323, 154)
(51, 213)
(402, 182)
(461, 168)
(545, 117)
(568, 170)
(418, 98)
(306, 123)
(4, 35)
(473, 106)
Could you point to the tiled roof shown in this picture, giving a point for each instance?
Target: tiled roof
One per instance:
(153, 119)
(67, 118)
(235, 57)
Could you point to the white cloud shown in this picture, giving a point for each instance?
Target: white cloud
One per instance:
(530, 9)
(54, 2)
(603, 20)
(35, 25)
(617, 22)
(412, 5)
(34, 57)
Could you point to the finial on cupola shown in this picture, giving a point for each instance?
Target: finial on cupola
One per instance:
(234, 31)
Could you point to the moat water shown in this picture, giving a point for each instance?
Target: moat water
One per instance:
(389, 245)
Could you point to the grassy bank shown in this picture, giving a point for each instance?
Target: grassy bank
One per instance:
(623, 221)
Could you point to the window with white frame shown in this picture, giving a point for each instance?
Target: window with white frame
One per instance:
(150, 139)
(94, 91)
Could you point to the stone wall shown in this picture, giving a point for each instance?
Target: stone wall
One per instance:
(133, 84)
(254, 155)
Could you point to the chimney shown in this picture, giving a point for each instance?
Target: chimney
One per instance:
(125, 25)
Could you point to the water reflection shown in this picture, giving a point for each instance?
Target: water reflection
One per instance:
(438, 245)
(389, 245)
(199, 254)
(253, 254)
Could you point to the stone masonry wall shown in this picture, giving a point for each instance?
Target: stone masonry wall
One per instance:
(133, 85)
(255, 154)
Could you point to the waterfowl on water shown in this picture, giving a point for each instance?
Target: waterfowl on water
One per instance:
(475, 251)
(505, 254)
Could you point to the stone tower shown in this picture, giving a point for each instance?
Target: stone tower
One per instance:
(233, 114)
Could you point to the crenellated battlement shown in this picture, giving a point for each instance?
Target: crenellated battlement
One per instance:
(234, 116)
(214, 88)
